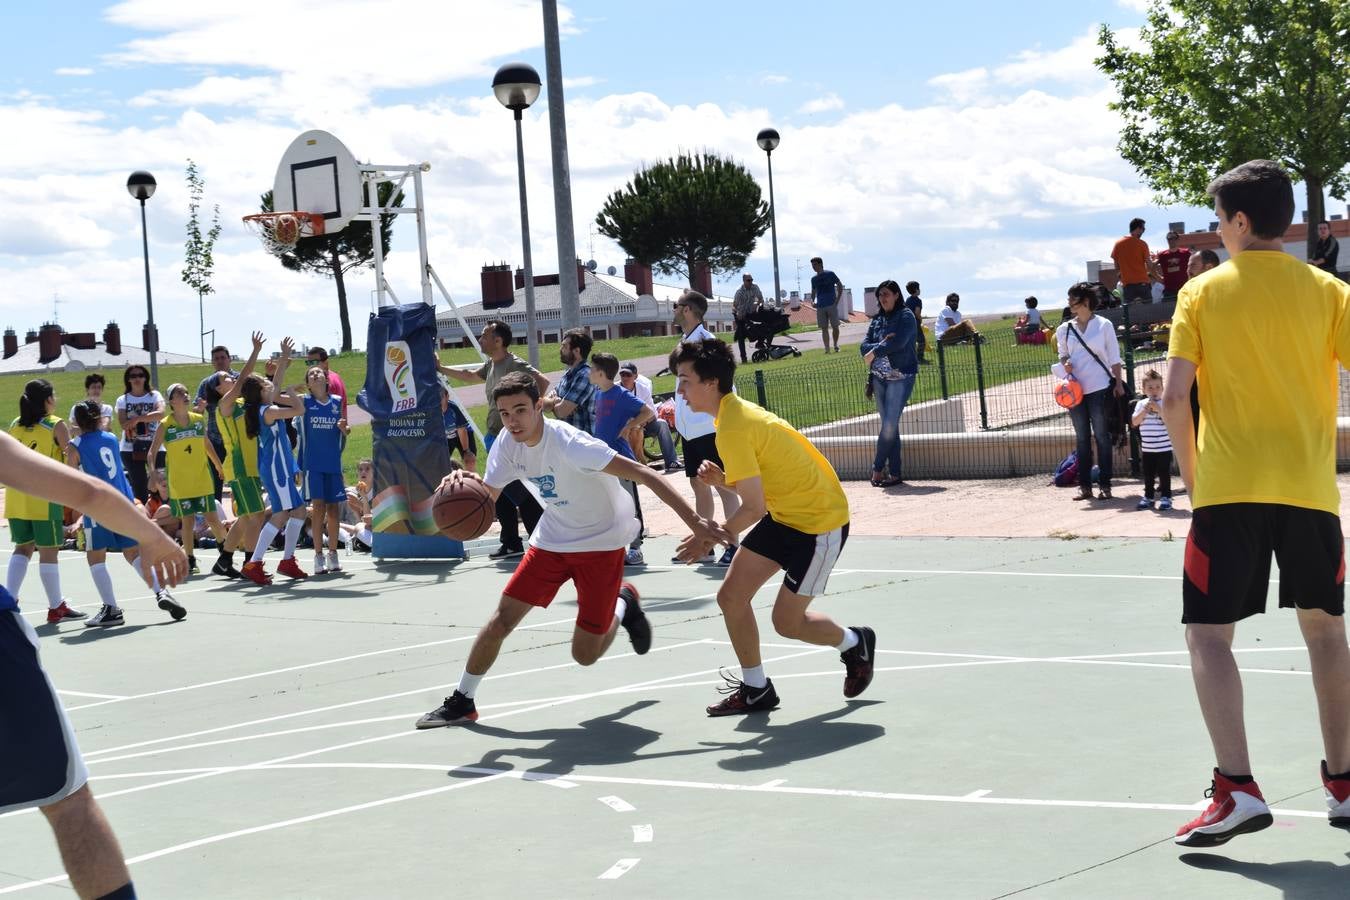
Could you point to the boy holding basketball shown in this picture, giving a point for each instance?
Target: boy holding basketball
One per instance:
(1262, 481)
(797, 515)
(581, 536)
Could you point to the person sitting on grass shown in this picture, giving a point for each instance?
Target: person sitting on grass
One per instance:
(950, 328)
(1033, 318)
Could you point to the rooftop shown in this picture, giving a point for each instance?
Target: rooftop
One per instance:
(72, 359)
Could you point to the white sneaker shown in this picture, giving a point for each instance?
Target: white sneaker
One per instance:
(633, 557)
(333, 564)
(106, 616)
(320, 567)
(709, 560)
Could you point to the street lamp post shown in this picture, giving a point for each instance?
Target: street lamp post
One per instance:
(516, 86)
(768, 140)
(141, 185)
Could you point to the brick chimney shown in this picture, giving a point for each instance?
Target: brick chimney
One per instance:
(11, 343)
(498, 290)
(703, 279)
(150, 337)
(80, 340)
(30, 337)
(581, 276)
(520, 278)
(638, 275)
(49, 342)
(112, 339)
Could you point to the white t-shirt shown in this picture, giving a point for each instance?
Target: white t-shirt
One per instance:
(642, 387)
(688, 423)
(1034, 317)
(1153, 437)
(585, 510)
(946, 319)
(139, 406)
(1100, 335)
(107, 413)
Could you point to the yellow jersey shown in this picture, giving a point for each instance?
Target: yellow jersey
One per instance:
(189, 469)
(241, 451)
(40, 438)
(801, 489)
(1268, 334)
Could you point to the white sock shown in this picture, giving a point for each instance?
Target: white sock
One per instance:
(468, 684)
(51, 583)
(754, 676)
(293, 527)
(18, 567)
(140, 570)
(620, 609)
(103, 581)
(849, 642)
(269, 531)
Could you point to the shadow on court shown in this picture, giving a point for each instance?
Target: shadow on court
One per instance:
(602, 741)
(89, 635)
(777, 745)
(1303, 879)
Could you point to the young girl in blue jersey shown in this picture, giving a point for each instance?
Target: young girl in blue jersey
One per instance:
(322, 429)
(266, 411)
(96, 452)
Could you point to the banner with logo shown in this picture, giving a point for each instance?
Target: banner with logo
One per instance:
(403, 396)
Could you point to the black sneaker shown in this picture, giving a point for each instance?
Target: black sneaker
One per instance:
(192, 565)
(505, 552)
(456, 710)
(106, 617)
(858, 661)
(635, 620)
(224, 567)
(728, 555)
(165, 601)
(742, 698)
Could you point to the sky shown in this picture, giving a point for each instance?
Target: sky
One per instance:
(968, 146)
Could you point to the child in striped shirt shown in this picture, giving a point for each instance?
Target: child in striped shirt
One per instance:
(1155, 445)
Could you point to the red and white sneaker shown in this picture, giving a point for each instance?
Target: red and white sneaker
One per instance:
(291, 569)
(63, 613)
(1338, 798)
(255, 573)
(1233, 809)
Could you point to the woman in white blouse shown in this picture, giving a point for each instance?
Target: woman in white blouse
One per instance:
(1090, 353)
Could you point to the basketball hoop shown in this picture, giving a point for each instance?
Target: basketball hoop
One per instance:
(280, 231)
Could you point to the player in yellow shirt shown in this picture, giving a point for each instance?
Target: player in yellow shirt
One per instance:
(182, 435)
(1262, 480)
(33, 522)
(240, 463)
(797, 514)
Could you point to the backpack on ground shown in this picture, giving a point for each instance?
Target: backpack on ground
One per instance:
(1066, 473)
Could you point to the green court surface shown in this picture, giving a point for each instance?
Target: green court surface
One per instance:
(1031, 731)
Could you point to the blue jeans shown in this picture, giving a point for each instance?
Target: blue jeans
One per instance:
(1089, 421)
(891, 397)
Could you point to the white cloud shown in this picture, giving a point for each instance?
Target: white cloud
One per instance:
(73, 71)
(582, 81)
(772, 78)
(1139, 6)
(827, 103)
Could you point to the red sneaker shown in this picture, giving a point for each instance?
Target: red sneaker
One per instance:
(1233, 809)
(62, 613)
(291, 569)
(1338, 798)
(255, 573)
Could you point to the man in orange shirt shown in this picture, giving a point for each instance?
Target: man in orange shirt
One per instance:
(1137, 270)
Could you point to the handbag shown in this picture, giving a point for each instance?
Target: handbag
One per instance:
(1074, 331)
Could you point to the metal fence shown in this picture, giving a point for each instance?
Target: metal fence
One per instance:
(977, 410)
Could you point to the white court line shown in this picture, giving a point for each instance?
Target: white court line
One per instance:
(643, 834)
(1006, 573)
(271, 826)
(620, 868)
(975, 795)
(618, 804)
(89, 694)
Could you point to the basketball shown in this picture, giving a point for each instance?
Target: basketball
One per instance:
(1068, 393)
(287, 230)
(463, 511)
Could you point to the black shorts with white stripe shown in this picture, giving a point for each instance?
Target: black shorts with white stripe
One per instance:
(806, 558)
(39, 760)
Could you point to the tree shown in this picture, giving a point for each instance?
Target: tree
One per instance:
(676, 213)
(1220, 82)
(333, 255)
(198, 262)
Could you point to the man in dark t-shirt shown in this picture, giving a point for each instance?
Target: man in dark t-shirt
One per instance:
(826, 290)
(914, 303)
(1327, 250)
(1172, 263)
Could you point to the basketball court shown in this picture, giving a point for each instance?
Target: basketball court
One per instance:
(1031, 731)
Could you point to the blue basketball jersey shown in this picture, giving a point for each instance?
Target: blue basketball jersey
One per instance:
(101, 457)
(274, 452)
(320, 439)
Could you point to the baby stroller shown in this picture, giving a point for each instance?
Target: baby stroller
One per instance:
(760, 327)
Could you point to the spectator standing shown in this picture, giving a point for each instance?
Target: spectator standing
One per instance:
(914, 303)
(1327, 250)
(208, 395)
(1090, 352)
(139, 412)
(458, 434)
(317, 356)
(515, 502)
(1201, 262)
(748, 299)
(641, 387)
(1262, 482)
(1172, 264)
(950, 327)
(1137, 270)
(93, 390)
(574, 399)
(888, 351)
(617, 412)
(1155, 445)
(826, 291)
